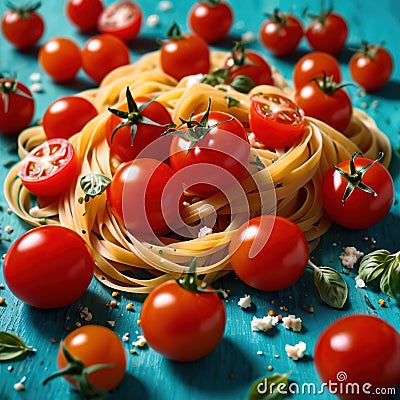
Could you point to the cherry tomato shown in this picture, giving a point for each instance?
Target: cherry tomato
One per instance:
(50, 168)
(325, 100)
(371, 67)
(94, 345)
(142, 127)
(327, 32)
(217, 159)
(357, 207)
(122, 19)
(22, 26)
(17, 106)
(269, 253)
(66, 116)
(140, 198)
(183, 55)
(344, 352)
(275, 120)
(48, 267)
(314, 65)
(102, 54)
(211, 20)
(281, 34)
(250, 64)
(181, 322)
(84, 14)
(60, 58)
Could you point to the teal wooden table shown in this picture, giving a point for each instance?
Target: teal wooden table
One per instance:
(243, 355)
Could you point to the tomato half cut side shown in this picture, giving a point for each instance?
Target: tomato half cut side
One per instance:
(275, 120)
(50, 168)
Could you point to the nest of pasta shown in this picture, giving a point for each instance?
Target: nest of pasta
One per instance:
(126, 263)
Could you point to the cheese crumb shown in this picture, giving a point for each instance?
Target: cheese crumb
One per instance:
(350, 256)
(263, 324)
(291, 321)
(152, 20)
(248, 37)
(140, 342)
(359, 282)
(245, 302)
(35, 77)
(36, 87)
(125, 337)
(297, 351)
(260, 353)
(204, 231)
(86, 314)
(165, 5)
(193, 80)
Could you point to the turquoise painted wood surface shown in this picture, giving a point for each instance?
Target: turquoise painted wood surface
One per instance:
(230, 370)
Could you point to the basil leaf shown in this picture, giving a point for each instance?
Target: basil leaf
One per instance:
(232, 102)
(331, 286)
(271, 387)
(390, 281)
(242, 83)
(12, 346)
(373, 265)
(94, 184)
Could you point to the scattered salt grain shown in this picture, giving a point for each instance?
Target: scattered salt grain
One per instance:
(359, 282)
(86, 314)
(140, 342)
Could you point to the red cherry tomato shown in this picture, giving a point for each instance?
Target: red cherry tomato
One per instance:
(314, 65)
(211, 20)
(361, 209)
(60, 58)
(17, 106)
(326, 101)
(275, 120)
(50, 168)
(122, 19)
(281, 34)
(371, 67)
(49, 267)
(102, 54)
(84, 14)
(269, 253)
(327, 32)
(182, 324)
(67, 116)
(343, 355)
(22, 26)
(145, 197)
(183, 55)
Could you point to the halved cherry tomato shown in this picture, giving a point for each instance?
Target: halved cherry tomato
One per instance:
(17, 106)
(84, 14)
(66, 116)
(22, 26)
(211, 19)
(60, 58)
(122, 19)
(50, 168)
(281, 34)
(275, 120)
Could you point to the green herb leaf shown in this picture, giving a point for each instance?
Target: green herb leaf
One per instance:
(368, 302)
(372, 265)
(232, 102)
(272, 387)
(242, 83)
(94, 184)
(12, 346)
(390, 281)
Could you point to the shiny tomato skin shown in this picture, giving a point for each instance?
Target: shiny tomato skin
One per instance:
(49, 267)
(335, 109)
(189, 55)
(180, 324)
(50, 168)
(361, 210)
(330, 35)
(121, 144)
(95, 344)
(17, 107)
(23, 32)
(275, 120)
(60, 58)
(313, 65)
(84, 14)
(372, 70)
(360, 350)
(269, 253)
(102, 54)
(281, 38)
(66, 116)
(122, 19)
(211, 22)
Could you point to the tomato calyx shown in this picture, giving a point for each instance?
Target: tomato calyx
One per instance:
(133, 116)
(211, 3)
(10, 86)
(77, 370)
(174, 32)
(23, 11)
(354, 178)
(220, 76)
(328, 85)
(323, 14)
(278, 17)
(369, 51)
